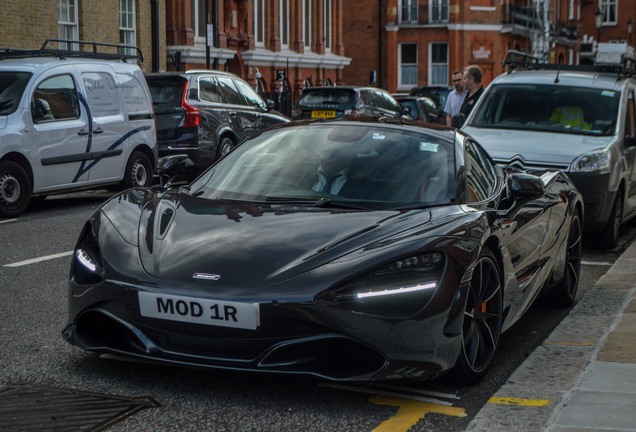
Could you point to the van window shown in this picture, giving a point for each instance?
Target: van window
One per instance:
(549, 108)
(134, 94)
(55, 99)
(12, 85)
(101, 94)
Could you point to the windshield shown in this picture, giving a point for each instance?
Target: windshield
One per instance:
(553, 108)
(364, 166)
(12, 85)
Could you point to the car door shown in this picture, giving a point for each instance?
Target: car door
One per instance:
(257, 104)
(59, 138)
(107, 123)
(242, 117)
(629, 149)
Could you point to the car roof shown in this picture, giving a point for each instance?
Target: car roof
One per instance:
(603, 80)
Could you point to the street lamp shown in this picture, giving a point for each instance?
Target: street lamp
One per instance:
(630, 29)
(598, 21)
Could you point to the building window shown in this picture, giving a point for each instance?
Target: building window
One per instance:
(198, 18)
(326, 9)
(438, 11)
(408, 12)
(259, 22)
(408, 65)
(438, 53)
(127, 29)
(284, 22)
(307, 23)
(67, 22)
(608, 7)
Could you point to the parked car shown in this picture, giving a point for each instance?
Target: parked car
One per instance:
(206, 113)
(72, 120)
(421, 108)
(577, 119)
(408, 262)
(439, 94)
(338, 101)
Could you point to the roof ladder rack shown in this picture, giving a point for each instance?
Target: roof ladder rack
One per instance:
(97, 50)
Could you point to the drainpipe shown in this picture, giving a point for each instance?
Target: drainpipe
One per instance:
(154, 17)
(380, 76)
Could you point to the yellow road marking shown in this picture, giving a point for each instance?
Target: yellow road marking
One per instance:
(571, 343)
(410, 412)
(519, 401)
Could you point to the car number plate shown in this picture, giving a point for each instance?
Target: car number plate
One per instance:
(199, 311)
(322, 114)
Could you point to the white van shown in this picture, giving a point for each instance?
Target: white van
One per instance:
(71, 120)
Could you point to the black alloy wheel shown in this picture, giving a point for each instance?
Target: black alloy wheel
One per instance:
(565, 292)
(482, 320)
(225, 146)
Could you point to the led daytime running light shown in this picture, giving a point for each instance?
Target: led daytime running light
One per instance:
(401, 290)
(86, 260)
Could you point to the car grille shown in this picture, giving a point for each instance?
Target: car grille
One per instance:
(532, 166)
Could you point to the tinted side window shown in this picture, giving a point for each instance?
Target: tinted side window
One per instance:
(480, 175)
(250, 95)
(55, 99)
(209, 90)
(12, 85)
(230, 91)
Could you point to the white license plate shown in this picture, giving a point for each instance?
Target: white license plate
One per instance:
(199, 311)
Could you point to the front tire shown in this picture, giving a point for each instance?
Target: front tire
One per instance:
(482, 320)
(138, 172)
(15, 189)
(564, 293)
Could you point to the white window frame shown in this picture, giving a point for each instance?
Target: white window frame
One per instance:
(283, 22)
(196, 14)
(67, 27)
(128, 33)
(410, 66)
(306, 22)
(411, 9)
(259, 24)
(437, 68)
(326, 24)
(609, 8)
(442, 6)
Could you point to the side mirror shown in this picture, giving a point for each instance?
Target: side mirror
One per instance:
(523, 185)
(630, 141)
(172, 167)
(458, 120)
(270, 104)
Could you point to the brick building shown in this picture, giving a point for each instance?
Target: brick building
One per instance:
(616, 17)
(400, 44)
(276, 45)
(141, 23)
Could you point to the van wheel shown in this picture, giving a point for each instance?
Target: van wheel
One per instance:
(608, 238)
(15, 189)
(138, 172)
(225, 146)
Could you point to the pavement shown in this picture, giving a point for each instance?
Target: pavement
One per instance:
(583, 377)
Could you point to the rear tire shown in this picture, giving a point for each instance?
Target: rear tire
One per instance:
(564, 293)
(225, 146)
(15, 189)
(138, 172)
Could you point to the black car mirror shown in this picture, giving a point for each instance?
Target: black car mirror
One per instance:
(170, 168)
(630, 141)
(524, 185)
(458, 120)
(270, 105)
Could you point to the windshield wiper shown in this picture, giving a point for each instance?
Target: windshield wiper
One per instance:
(326, 202)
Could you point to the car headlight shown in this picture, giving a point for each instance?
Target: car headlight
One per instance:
(87, 266)
(595, 161)
(398, 289)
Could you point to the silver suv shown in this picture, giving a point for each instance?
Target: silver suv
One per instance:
(578, 119)
(72, 119)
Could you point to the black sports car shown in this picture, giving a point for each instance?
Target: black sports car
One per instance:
(407, 262)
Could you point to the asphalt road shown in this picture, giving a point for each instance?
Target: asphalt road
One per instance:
(33, 288)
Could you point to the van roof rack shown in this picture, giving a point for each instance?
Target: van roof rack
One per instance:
(103, 54)
(622, 64)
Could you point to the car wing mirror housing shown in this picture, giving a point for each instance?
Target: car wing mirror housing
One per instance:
(170, 168)
(630, 141)
(523, 185)
(458, 120)
(270, 104)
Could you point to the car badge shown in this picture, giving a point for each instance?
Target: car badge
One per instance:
(206, 276)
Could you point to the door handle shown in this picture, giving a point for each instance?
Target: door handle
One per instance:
(83, 132)
(98, 131)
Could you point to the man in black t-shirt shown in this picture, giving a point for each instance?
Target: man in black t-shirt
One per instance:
(472, 83)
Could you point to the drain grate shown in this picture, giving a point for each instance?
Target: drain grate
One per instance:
(28, 408)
